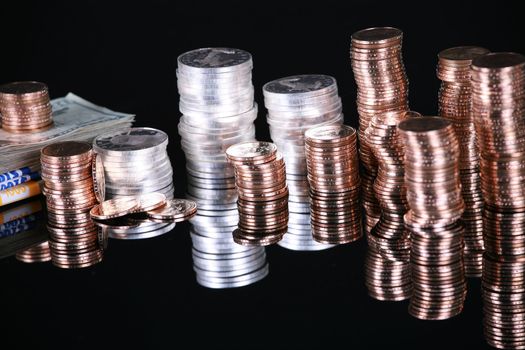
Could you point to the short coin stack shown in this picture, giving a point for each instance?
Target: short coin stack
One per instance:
(39, 252)
(436, 205)
(25, 107)
(260, 179)
(455, 105)
(296, 104)
(333, 175)
(498, 87)
(382, 85)
(68, 187)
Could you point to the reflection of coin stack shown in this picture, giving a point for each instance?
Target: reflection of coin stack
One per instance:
(333, 176)
(37, 253)
(436, 205)
(498, 87)
(455, 105)
(296, 104)
(66, 171)
(389, 243)
(25, 107)
(382, 84)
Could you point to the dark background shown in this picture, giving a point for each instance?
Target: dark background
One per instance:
(123, 56)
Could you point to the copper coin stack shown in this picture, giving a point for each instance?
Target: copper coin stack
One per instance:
(389, 242)
(25, 107)
(498, 90)
(455, 105)
(333, 176)
(382, 85)
(436, 205)
(39, 252)
(68, 187)
(260, 179)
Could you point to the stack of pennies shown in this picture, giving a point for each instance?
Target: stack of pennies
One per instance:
(39, 252)
(25, 107)
(260, 179)
(333, 175)
(498, 87)
(388, 240)
(436, 205)
(296, 104)
(455, 105)
(382, 87)
(67, 169)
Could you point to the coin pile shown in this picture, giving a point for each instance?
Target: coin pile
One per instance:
(39, 252)
(260, 179)
(296, 104)
(455, 105)
(68, 187)
(436, 205)
(25, 107)
(333, 175)
(498, 87)
(382, 86)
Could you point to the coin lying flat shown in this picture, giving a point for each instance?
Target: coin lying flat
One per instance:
(114, 208)
(175, 209)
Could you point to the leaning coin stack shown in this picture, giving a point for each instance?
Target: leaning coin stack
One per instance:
(498, 87)
(260, 179)
(70, 195)
(39, 252)
(436, 205)
(296, 104)
(25, 107)
(455, 105)
(382, 85)
(333, 175)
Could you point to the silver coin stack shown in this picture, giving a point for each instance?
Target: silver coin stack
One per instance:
(136, 162)
(296, 104)
(216, 100)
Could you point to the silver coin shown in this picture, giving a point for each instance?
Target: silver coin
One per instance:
(307, 84)
(143, 235)
(130, 141)
(241, 281)
(215, 59)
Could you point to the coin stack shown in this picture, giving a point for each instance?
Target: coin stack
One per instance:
(68, 187)
(39, 252)
(333, 175)
(382, 85)
(296, 104)
(498, 87)
(25, 107)
(436, 205)
(455, 105)
(260, 179)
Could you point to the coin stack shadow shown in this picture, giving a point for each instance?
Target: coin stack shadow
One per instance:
(333, 176)
(382, 86)
(436, 205)
(68, 187)
(25, 107)
(498, 90)
(39, 252)
(387, 266)
(218, 111)
(455, 105)
(296, 104)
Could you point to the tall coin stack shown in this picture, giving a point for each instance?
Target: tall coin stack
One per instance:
(382, 86)
(70, 195)
(455, 105)
(296, 104)
(333, 175)
(39, 252)
(25, 107)
(498, 90)
(436, 205)
(260, 179)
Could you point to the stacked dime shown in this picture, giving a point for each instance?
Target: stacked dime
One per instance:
(68, 187)
(39, 252)
(260, 179)
(382, 85)
(436, 205)
(455, 105)
(498, 87)
(296, 104)
(333, 175)
(25, 107)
